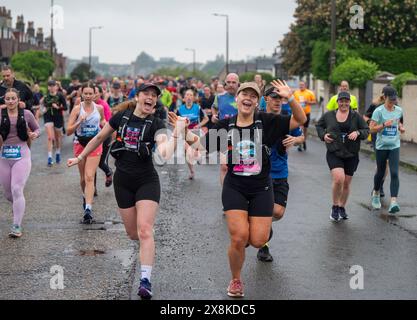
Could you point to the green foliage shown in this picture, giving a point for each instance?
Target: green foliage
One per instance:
(356, 71)
(387, 24)
(250, 76)
(35, 65)
(321, 58)
(395, 61)
(82, 72)
(400, 81)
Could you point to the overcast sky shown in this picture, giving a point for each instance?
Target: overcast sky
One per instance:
(162, 28)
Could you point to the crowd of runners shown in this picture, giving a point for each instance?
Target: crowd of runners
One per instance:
(251, 125)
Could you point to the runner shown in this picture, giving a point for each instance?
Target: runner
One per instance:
(198, 119)
(85, 122)
(279, 166)
(247, 191)
(206, 102)
(386, 122)
(225, 107)
(15, 160)
(136, 182)
(54, 103)
(342, 130)
(344, 87)
(116, 96)
(305, 98)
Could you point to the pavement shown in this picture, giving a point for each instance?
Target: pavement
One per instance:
(313, 257)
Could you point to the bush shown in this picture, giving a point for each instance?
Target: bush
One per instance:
(250, 77)
(356, 71)
(399, 82)
(35, 65)
(395, 61)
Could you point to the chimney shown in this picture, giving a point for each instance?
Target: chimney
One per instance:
(39, 36)
(31, 29)
(20, 24)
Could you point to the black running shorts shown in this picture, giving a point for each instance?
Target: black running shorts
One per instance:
(281, 190)
(307, 124)
(56, 119)
(349, 164)
(129, 191)
(257, 202)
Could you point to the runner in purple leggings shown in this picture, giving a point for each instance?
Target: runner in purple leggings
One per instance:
(15, 156)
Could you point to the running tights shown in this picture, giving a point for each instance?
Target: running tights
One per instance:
(393, 156)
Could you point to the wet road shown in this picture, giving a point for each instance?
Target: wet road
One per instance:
(313, 256)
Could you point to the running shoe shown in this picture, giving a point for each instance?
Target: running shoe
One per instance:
(342, 213)
(145, 289)
(50, 162)
(58, 158)
(235, 289)
(300, 148)
(264, 255)
(394, 208)
(88, 217)
(15, 231)
(376, 201)
(334, 215)
(305, 146)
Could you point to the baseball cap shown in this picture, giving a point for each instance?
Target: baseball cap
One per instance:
(270, 92)
(343, 95)
(146, 86)
(52, 83)
(390, 92)
(250, 85)
(116, 85)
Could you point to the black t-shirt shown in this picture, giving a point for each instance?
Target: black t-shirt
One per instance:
(129, 162)
(207, 103)
(345, 127)
(275, 128)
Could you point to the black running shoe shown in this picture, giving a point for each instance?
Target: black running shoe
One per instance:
(264, 255)
(334, 216)
(342, 213)
(88, 217)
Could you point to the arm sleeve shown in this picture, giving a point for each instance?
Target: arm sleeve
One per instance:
(363, 128)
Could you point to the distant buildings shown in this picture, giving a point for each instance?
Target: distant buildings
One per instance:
(20, 39)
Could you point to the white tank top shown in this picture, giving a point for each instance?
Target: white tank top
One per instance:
(91, 126)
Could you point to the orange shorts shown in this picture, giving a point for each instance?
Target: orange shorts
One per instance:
(78, 149)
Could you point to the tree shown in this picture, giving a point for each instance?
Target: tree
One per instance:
(82, 71)
(387, 24)
(250, 76)
(401, 80)
(35, 65)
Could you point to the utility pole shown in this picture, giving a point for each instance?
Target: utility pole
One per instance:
(333, 49)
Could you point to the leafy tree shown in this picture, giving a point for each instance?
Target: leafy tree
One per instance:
(249, 76)
(82, 71)
(35, 65)
(356, 71)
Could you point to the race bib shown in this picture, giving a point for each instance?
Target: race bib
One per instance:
(132, 137)
(11, 153)
(249, 164)
(89, 131)
(390, 131)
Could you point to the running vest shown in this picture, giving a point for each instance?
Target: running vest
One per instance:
(21, 125)
(246, 156)
(88, 128)
(143, 149)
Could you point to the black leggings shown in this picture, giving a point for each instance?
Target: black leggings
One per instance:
(393, 156)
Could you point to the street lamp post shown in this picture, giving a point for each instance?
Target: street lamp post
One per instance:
(194, 61)
(227, 38)
(90, 45)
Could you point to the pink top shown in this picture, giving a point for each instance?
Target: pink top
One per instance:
(106, 109)
(12, 138)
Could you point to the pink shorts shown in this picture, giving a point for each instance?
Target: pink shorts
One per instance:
(78, 149)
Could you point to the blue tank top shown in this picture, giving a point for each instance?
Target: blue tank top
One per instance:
(192, 114)
(227, 106)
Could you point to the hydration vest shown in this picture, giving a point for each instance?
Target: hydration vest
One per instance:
(21, 125)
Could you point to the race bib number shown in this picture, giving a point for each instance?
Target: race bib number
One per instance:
(11, 153)
(132, 137)
(89, 131)
(390, 131)
(249, 163)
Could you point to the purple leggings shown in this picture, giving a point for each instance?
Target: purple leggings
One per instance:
(13, 177)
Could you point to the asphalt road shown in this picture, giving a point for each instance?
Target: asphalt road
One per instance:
(313, 256)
